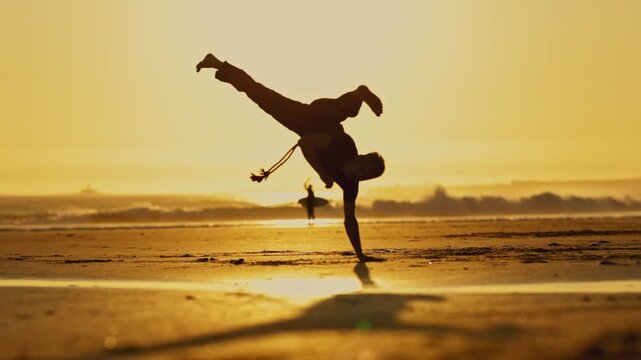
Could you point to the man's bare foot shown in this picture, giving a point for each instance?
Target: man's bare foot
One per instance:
(365, 258)
(210, 61)
(370, 99)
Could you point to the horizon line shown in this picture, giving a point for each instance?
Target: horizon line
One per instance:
(230, 197)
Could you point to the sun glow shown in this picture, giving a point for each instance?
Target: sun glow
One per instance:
(306, 287)
(105, 92)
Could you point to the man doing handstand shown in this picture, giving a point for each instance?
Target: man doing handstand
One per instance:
(325, 145)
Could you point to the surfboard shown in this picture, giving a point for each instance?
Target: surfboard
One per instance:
(317, 201)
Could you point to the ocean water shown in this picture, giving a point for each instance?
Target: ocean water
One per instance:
(303, 223)
(181, 211)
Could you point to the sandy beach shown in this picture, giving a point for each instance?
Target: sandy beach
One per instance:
(565, 288)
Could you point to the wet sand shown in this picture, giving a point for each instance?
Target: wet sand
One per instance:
(519, 289)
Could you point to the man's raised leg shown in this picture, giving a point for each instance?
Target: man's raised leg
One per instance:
(288, 112)
(334, 111)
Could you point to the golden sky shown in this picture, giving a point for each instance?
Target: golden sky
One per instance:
(105, 92)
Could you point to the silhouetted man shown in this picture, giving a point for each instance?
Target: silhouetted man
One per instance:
(326, 147)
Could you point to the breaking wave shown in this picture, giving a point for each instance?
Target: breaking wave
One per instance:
(203, 211)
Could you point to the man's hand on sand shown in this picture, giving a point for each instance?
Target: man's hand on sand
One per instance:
(210, 61)
(365, 258)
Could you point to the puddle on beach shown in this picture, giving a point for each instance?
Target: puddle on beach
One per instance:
(575, 287)
(294, 288)
(305, 288)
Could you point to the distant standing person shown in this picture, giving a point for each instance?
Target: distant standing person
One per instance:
(326, 147)
(310, 202)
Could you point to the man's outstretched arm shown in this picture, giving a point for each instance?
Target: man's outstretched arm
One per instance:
(351, 227)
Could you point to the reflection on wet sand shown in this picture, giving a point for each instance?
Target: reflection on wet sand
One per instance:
(362, 272)
(348, 311)
(296, 287)
(336, 304)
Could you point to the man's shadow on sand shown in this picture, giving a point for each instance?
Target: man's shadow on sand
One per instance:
(362, 310)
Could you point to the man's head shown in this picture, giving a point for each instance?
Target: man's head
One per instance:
(364, 167)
